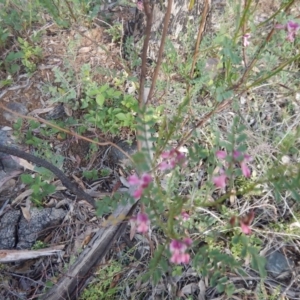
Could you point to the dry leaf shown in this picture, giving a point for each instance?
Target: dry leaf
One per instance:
(132, 229)
(23, 163)
(26, 210)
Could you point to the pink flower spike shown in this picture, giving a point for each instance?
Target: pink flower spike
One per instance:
(220, 181)
(142, 222)
(221, 154)
(170, 159)
(140, 183)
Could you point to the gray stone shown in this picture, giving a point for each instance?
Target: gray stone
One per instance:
(8, 229)
(41, 220)
(277, 263)
(119, 157)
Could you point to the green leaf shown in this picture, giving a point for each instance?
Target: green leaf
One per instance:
(27, 179)
(121, 116)
(100, 99)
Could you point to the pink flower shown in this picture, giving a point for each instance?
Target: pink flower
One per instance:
(178, 251)
(178, 258)
(238, 157)
(245, 158)
(140, 5)
(142, 222)
(185, 216)
(246, 221)
(141, 184)
(220, 181)
(221, 154)
(171, 159)
(291, 28)
(245, 229)
(246, 39)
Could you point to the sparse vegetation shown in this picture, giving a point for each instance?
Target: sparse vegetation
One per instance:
(218, 183)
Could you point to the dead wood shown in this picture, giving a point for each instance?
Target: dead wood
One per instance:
(71, 284)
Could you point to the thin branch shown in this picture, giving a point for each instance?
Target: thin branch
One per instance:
(161, 49)
(201, 29)
(149, 17)
(66, 130)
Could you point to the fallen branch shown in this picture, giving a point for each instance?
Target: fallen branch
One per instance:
(7, 256)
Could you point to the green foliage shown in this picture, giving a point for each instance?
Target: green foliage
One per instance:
(101, 287)
(115, 31)
(93, 174)
(39, 187)
(39, 245)
(30, 55)
(105, 107)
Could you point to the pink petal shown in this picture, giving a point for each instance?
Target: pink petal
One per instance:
(247, 158)
(220, 181)
(245, 228)
(142, 217)
(176, 259)
(164, 166)
(291, 37)
(221, 154)
(185, 258)
(279, 26)
(187, 241)
(246, 39)
(146, 180)
(185, 216)
(177, 246)
(165, 154)
(137, 193)
(173, 163)
(140, 5)
(133, 180)
(245, 169)
(292, 26)
(142, 228)
(237, 155)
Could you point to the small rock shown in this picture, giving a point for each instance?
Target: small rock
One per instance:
(119, 157)
(285, 160)
(277, 263)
